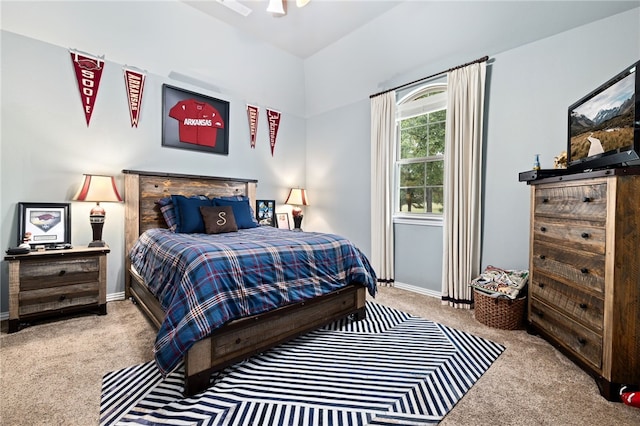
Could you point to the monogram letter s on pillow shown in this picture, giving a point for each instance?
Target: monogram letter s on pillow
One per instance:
(218, 219)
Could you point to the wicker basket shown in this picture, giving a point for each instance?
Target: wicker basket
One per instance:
(503, 313)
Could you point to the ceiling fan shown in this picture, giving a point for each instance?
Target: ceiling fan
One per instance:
(276, 7)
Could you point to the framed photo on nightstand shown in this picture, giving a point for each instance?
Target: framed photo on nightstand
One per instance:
(283, 220)
(265, 212)
(44, 224)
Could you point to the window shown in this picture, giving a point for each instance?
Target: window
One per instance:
(420, 141)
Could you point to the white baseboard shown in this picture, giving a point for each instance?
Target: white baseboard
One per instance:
(417, 289)
(115, 296)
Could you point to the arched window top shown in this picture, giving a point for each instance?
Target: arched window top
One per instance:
(432, 97)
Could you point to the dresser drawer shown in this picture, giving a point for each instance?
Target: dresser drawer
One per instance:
(575, 202)
(62, 272)
(578, 235)
(56, 298)
(583, 342)
(583, 307)
(581, 267)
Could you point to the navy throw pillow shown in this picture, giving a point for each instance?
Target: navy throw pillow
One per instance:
(188, 217)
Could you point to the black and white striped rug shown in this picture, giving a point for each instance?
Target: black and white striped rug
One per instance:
(391, 368)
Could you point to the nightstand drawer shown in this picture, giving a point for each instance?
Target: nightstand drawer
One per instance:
(72, 270)
(56, 282)
(55, 298)
(585, 343)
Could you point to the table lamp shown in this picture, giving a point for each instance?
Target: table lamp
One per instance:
(98, 188)
(297, 197)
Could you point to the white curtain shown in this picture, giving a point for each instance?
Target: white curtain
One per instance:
(383, 125)
(462, 183)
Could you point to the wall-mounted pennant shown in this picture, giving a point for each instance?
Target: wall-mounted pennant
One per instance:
(252, 115)
(134, 83)
(273, 117)
(88, 70)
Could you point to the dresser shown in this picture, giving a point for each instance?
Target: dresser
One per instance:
(55, 282)
(584, 288)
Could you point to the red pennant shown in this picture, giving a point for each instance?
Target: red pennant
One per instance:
(134, 83)
(273, 117)
(252, 115)
(88, 73)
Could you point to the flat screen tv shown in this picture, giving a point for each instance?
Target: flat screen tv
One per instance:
(604, 126)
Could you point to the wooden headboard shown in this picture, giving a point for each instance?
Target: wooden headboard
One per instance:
(142, 189)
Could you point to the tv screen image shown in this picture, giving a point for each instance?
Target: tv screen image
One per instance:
(605, 122)
(603, 126)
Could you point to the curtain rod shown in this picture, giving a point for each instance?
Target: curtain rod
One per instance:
(483, 59)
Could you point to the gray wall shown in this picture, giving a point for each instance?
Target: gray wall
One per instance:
(528, 92)
(46, 145)
(324, 136)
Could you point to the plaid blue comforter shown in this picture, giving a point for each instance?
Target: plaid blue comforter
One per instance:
(204, 281)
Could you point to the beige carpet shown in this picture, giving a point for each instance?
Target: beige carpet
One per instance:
(50, 373)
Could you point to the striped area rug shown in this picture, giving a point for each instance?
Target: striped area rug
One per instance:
(391, 368)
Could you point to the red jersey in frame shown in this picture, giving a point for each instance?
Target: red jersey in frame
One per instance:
(198, 122)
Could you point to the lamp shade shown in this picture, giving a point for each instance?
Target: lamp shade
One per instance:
(297, 197)
(98, 188)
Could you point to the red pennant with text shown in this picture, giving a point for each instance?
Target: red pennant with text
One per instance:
(134, 83)
(273, 117)
(252, 115)
(88, 73)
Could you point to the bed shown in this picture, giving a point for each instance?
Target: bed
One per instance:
(226, 340)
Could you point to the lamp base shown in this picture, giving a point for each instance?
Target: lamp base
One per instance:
(98, 243)
(297, 221)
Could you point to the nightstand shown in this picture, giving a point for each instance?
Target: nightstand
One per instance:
(56, 282)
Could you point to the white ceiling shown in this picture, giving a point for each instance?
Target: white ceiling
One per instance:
(305, 31)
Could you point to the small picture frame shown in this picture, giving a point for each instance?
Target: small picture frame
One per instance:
(44, 224)
(265, 212)
(283, 220)
(194, 121)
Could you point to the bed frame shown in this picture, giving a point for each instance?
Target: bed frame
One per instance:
(239, 339)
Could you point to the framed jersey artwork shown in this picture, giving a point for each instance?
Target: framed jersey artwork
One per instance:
(194, 121)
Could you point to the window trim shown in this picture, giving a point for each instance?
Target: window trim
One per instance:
(412, 109)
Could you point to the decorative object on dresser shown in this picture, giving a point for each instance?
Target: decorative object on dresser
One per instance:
(98, 188)
(297, 197)
(55, 282)
(584, 291)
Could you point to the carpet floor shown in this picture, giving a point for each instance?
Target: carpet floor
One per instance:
(391, 368)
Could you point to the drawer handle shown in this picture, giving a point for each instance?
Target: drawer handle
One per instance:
(584, 270)
(583, 306)
(543, 229)
(543, 257)
(62, 297)
(586, 199)
(61, 273)
(541, 285)
(539, 313)
(582, 341)
(584, 235)
(545, 200)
